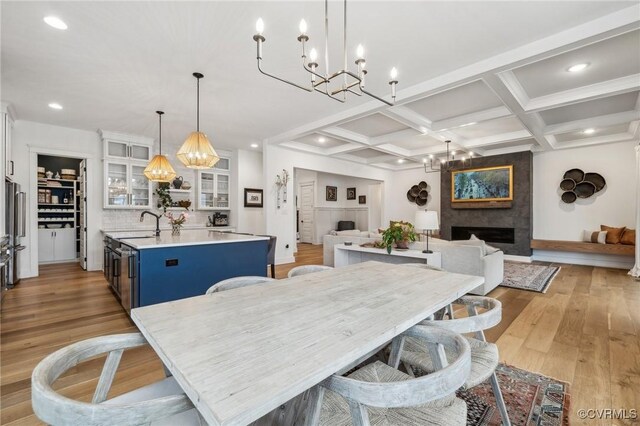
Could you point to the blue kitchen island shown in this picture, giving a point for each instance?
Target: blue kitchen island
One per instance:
(146, 269)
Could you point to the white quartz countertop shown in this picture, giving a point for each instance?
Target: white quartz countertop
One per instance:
(188, 237)
(163, 227)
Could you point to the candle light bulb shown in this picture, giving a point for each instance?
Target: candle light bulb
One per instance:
(313, 55)
(394, 73)
(431, 156)
(303, 27)
(470, 154)
(360, 52)
(259, 26)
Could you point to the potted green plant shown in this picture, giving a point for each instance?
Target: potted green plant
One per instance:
(399, 233)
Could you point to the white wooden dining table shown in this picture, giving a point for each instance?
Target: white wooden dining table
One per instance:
(239, 354)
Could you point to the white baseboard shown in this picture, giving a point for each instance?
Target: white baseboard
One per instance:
(587, 259)
(515, 258)
(282, 261)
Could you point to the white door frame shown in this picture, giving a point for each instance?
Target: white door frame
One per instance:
(34, 151)
(312, 184)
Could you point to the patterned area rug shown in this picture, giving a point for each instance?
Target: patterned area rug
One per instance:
(527, 276)
(531, 399)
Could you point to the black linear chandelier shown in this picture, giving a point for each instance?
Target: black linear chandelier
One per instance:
(329, 83)
(449, 163)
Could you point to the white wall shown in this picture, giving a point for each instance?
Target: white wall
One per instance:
(30, 137)
(250, 175)
(399, 207)
(613, 206)
(281, 222)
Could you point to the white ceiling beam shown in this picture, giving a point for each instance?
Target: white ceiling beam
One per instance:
(598, 140)
(304, 147)
(345, 135)
(343, 149)
(381, 158)
(394, 150)
(496, 139)
(474, 117)
(511, 149)
(393, 137)
(532, 122)
(602, 89)
(600, 121)
(409, 118)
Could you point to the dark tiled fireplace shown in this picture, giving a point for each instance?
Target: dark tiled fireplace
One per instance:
(508, 228)
(490, 235)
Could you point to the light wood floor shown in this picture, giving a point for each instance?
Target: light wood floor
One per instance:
(585, 330)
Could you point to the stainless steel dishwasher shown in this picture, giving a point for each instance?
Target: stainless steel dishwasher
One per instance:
(128, 277)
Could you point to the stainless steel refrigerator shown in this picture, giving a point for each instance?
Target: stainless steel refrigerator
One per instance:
(15, 229)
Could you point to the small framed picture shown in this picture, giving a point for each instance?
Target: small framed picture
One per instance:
(351, 193)
(362, 199)
(332, 193)
(252, 197)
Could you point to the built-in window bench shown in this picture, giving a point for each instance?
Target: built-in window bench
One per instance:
(582, 253)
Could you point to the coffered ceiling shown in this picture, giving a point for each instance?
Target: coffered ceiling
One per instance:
(524, 99)
(490, 76)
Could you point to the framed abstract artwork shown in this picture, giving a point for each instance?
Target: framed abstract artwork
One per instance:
(332, 193)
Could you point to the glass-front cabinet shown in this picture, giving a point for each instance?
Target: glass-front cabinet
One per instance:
(126, 186)
(214, 187)
(125, 158)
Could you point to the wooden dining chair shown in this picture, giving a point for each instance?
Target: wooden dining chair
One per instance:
(271, 253)
(380, 394)
(237, 282)
(484, 355)
(307, 269)
(161, 403)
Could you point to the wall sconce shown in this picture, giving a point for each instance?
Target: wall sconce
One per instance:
(281, 183)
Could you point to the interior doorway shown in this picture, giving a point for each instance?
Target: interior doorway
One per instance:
(306, 209)
(61, 209)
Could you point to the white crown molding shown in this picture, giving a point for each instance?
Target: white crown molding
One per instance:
(511, 149)
(616, 86)
(601, 121)
(512, 83)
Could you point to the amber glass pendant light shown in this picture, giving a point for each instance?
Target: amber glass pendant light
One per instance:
(159, 168)
(197, 152)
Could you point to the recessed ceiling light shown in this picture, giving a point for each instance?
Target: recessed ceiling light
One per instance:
(400, 160)
(589, 131)
(55, 105)
(321, 139)
(254, 145)
(55, 22)
(577, 67)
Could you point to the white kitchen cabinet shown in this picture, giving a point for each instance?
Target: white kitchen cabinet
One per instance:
(126, 186)
(213, 190)
(125, 158)
(56, 245)
(118, 146)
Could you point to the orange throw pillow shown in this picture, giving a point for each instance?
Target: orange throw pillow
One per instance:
(628, 237)
(613, 234)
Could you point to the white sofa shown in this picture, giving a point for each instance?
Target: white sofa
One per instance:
(457, 256)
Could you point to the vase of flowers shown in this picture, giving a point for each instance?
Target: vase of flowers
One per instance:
(399, 233)
(176, 222)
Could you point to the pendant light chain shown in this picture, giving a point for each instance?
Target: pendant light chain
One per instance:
(198, 105)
